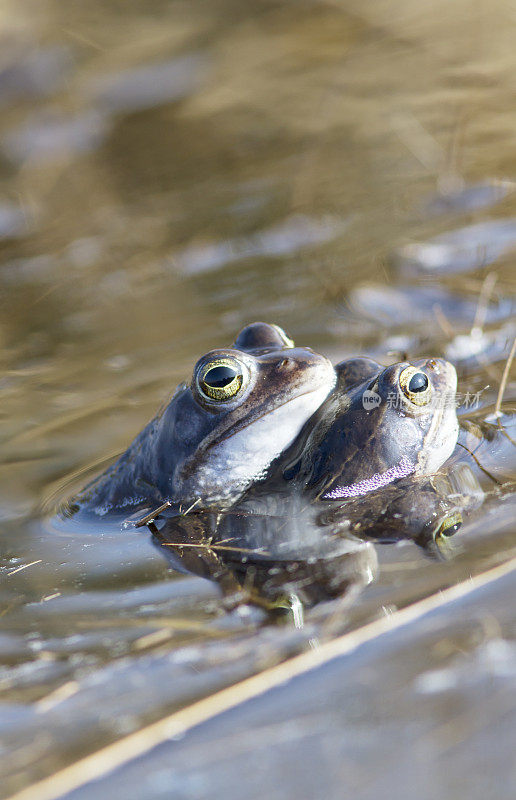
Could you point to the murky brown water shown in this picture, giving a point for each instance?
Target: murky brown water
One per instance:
(169, 172)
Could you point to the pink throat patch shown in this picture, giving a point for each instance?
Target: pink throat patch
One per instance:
(380, 479)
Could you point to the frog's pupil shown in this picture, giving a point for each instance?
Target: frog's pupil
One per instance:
(220, 377)
(418, 382)
(452, 529)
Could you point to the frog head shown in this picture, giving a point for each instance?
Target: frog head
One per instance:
(220, 431)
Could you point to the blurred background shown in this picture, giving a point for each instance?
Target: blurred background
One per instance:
(170, 171)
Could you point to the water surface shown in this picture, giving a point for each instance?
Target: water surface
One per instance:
(168, 173)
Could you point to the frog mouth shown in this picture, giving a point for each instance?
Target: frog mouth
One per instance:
(316, 396)
(313, 397)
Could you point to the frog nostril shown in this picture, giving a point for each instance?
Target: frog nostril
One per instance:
(433, 363)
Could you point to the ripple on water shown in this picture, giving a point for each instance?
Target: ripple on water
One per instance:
(462, 250)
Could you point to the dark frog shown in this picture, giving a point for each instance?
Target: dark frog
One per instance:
(370, 461)
(220, 431)
(380, 424)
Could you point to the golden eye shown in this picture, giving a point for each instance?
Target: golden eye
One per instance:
(415, 386)
(221, 379)
(450, 525)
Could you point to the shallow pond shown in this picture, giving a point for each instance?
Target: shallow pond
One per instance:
(168, 173)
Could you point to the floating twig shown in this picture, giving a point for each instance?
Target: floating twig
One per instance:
(24, 566)
(148, 518)
(215, 547)
(483, 301)
(443, 321)
(190, 508)
(503, 382)
(479, 465)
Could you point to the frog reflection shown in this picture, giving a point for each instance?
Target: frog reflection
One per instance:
(268, 561)
(312, 551)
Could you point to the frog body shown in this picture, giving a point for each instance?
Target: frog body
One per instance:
(220, 432)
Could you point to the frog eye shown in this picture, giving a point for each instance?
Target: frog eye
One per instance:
(221, 379)
(450, 525)
(415, 386)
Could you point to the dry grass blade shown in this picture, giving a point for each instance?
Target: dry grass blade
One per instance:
(137, 744)
(503, 382)
(23, 566)
(443, 321)
(483, 300)
(148, 518)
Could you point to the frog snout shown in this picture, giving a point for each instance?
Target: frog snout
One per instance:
(445, 374)
(287, 365)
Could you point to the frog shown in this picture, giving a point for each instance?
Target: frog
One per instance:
(371, 461)
(379, 425)
(373, 464)
(219, 432)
